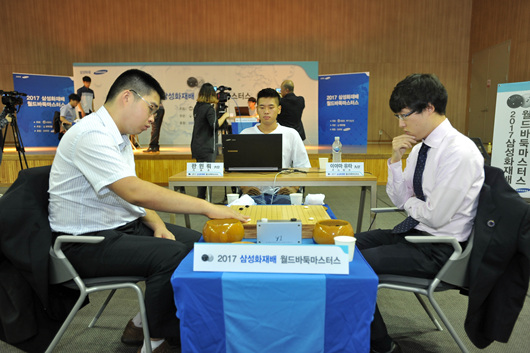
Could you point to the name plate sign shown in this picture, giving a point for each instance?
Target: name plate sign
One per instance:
(316, 259)
(345, 169)
(205, 169)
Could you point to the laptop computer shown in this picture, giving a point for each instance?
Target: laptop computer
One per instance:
(252, 152)
(242, 111)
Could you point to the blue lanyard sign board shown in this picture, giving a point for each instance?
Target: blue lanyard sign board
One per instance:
(343, 108)
(45, 95)
(511, 135)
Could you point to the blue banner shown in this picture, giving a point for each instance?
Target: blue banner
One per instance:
(45, 95)
(343, 108)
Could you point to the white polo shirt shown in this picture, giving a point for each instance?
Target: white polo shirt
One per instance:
(90, 157)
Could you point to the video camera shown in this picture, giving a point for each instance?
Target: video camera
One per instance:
(223, 96)
(10, 99)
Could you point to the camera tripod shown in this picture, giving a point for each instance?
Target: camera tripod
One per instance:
(17, 139)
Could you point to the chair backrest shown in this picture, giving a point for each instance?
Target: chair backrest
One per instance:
(60, 269)
(455, 270)
(482, 149)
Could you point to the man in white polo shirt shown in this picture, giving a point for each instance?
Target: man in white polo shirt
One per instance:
(94, 190)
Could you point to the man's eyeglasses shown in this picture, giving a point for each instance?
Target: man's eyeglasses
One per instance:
(153, 108)
(404, 116)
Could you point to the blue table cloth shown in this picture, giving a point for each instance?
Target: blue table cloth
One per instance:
(261, 312)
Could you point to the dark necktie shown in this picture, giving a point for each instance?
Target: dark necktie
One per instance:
(409, 222)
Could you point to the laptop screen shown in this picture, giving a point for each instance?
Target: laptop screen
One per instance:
(241, 111)
(252, 152)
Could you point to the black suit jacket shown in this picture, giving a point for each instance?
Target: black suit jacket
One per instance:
(31, 311)
(499, 265)
(291, 114)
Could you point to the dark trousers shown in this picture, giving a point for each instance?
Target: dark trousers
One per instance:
(155, 129)
(389, 253)
(201, 190)
(132, 250)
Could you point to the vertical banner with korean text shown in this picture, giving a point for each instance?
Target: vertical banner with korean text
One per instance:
(343, 108)
(45, 95)
(511, 135)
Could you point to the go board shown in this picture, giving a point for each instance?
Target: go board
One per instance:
(308, 215)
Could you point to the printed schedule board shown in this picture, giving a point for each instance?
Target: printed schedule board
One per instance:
(511, 135)
(343, 108)
(45, 95)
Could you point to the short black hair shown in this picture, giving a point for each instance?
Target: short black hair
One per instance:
(269, 93)
(416, 91)
(252, 99)
(74, 97)
(137, 80)
(87, 79)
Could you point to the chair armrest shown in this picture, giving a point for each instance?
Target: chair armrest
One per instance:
(386, 209)
(63, 239)
(441, 239)
(61, 270)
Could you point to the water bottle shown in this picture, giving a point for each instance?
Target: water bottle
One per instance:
(336, 150)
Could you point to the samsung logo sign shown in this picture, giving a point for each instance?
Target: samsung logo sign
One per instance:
(522, 190)
(100, 72)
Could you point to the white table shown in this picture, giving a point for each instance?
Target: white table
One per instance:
(311, 177)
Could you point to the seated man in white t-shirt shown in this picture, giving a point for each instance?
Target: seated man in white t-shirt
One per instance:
(294, 153)
(68, 115)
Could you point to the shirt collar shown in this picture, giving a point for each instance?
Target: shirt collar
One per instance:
(436, 137)
(121, 140)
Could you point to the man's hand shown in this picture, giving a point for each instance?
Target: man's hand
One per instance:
(163, 233)
(250, 190)
(220, 212)
(287, 190)
(400, 144)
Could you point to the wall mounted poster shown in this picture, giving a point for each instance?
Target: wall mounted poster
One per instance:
(343, 108)
(511, 135)
(45, 95)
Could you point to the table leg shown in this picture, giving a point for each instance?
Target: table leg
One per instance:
(361, 209)
(172, 217)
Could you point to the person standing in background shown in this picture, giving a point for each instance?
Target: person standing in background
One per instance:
(292, 108)
(154, 145)
(205, 128)
(87, 97)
